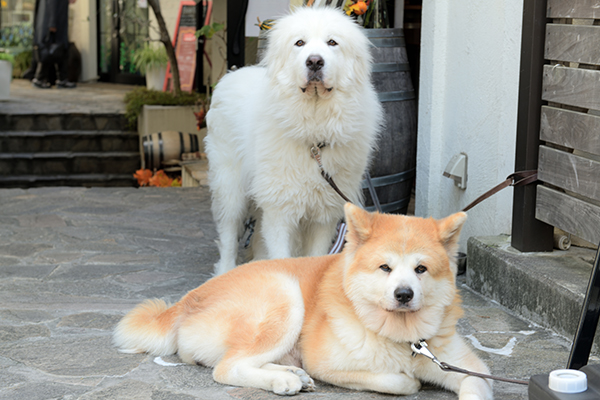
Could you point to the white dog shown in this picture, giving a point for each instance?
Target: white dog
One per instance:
(312, 89)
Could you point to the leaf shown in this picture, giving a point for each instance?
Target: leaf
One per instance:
(143, 176)
(209, 30)
(176, 182)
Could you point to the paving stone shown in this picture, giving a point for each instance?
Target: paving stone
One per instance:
(26, 271)
(15, 333)
(24, 316)
(82, 356)
(57, 257)
(22, 249)
(9, 261)
(8, 380)
(122, 259)
(90, 321)
(41, 221)
(119, 246)
(42, 390)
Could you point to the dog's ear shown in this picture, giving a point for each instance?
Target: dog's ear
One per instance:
(449, 229)
(360, 224)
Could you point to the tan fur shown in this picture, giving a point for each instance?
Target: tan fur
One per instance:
(338, 317)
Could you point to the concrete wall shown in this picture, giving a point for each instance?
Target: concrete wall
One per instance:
(470, 53)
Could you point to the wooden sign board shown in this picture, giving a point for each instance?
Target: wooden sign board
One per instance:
(184, 42)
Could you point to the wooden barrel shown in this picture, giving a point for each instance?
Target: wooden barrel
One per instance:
(165, 146)
(393, 165)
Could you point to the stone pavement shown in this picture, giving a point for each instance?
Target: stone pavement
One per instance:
(92, 98)
(74, 260)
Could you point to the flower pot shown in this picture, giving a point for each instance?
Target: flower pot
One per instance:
(5, 78)
(155, 77)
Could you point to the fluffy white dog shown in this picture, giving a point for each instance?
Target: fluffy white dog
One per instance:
(311, 89)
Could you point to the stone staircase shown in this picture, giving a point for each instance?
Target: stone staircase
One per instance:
(67, 150)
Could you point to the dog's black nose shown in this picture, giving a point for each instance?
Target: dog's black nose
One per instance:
(315, 63)
(404, 295)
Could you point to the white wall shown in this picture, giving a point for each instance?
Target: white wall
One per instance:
(470, 54)
(83, 32)
(169, 10)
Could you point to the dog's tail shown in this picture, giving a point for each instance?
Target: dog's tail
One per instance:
(149, 328)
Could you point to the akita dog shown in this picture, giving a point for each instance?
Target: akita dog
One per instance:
(348, 319)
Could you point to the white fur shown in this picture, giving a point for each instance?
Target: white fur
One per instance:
(261, 127)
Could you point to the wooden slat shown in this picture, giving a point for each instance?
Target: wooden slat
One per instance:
(571, 129)
(568, 213)
(573, 9)
(574, 43)
(570, 172)
(572, 86)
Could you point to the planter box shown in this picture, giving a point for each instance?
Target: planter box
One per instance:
(155, 77)
(155, 119)
(5, 78)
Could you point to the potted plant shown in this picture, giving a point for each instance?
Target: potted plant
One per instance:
(152, 61)
(6, 65)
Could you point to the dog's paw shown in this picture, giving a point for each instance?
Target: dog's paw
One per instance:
(287, 384)
(308, 385)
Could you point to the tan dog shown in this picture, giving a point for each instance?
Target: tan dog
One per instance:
(347, 319)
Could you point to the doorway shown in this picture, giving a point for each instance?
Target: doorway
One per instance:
(122, 28)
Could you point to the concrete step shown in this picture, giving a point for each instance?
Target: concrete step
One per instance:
(76, 141)
(68, 163)
(546, 288)
(82, 180)
(65, 121)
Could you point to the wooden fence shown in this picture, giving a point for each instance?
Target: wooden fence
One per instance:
(569, 154)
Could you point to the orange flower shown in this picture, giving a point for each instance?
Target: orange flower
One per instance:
(359, 8)
(143, 176)
(160, 179)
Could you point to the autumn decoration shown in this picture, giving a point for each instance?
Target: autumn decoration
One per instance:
(145, 177)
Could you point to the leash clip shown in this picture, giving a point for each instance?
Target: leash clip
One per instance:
(315, 151)
(423, 349)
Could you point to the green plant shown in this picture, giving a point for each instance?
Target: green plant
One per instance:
(7, 57)
(17, 36)
(139, 97)
(150, 56)
(209, 30)
(22, 62)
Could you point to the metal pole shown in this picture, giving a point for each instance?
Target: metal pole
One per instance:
(236, 35)
(528, 233)
(588, 322)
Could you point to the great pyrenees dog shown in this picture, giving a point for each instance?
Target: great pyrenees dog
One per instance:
(312, 91)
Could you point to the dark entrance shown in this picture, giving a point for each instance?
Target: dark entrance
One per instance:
(122, 28)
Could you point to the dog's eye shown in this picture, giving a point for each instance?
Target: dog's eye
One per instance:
(332, 42)
(421, 269)
(385, 268)
(299, 43)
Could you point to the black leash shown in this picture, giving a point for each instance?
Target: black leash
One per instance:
(315, 151)
(422, 348)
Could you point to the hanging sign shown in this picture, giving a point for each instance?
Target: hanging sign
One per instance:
(184, 42)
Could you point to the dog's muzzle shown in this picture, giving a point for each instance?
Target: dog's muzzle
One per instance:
(314, 75)
(404, 295)
(315, 63)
